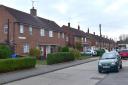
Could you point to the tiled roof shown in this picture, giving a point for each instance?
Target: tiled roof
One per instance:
(75, 32)
(35, 21)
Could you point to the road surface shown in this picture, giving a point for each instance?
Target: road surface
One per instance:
(85, 74)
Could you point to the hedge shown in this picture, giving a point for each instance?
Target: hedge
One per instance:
(100, 52)
(59, 57)
(12, 64)
(5, 51)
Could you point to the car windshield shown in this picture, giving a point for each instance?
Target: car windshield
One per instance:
(108, 56)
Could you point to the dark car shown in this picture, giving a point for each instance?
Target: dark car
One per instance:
(123, 53)
(110, 61)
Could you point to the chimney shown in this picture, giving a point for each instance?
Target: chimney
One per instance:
(94, 33)
(33, 12)
(69, 24)
(78, 27)
(88, 30)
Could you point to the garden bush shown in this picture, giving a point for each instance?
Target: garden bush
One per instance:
(75, 53)
(5, 51)
(64, 49)
(59, 57)
(12, 64)
(100, 52)
(35, 52)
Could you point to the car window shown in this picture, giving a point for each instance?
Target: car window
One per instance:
(108, 56)
(124, 51)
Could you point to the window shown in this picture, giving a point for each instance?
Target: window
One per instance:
(21, 28)
(26, 48)
(62, 35)
(58, 34)
(50, 33)
(85, 39)
(67, 39)
(5, 28)
(42, 32)
(30, 30)
(82, 39)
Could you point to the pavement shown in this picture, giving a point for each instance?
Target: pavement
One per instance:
(38, 70)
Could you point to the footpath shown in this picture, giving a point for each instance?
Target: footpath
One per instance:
(39, 69)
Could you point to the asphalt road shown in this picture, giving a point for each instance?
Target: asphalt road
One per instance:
(85, 74)
(120, 78)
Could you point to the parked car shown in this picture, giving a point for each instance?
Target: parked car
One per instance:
(123, 53)
(91, 52)
(110, 61)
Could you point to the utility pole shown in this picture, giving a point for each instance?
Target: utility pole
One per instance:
(100, 35)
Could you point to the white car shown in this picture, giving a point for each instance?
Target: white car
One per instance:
(91, 52)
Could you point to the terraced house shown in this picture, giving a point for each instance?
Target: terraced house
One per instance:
(96, 42)
(75, 37)
(24, 31)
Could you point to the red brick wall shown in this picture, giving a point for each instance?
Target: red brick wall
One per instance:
(32, 40)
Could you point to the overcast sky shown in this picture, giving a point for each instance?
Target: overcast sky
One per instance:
(112, 14)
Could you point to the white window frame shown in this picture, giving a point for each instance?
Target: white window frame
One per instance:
(63, 35)
(5, 28)
(85, 39)
(50, 33)
(21, 28)
(67, 38)
(25, 48)
(30, 30)
(58, 34)
(42, 32)
(82, 39)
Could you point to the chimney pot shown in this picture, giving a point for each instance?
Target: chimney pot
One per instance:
(94, 33)
(33, 11)
(69, 24)
(78, 27)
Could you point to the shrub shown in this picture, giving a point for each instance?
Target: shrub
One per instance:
(59, 57)
(75, 53)
(12, 64)
(64, 49)
(100, 52)
(5, 51)
(78, 46)
(35, 52)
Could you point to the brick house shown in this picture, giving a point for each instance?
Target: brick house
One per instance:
(74, 36)
(95, 42)
(24, 31)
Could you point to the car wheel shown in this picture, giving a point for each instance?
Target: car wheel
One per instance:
(121, 66)
(99, 70)
(117, 69)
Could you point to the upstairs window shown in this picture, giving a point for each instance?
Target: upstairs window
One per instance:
(42, 32)
(50, 33)
(82, 39)
(30, 30)
(62, 35)
(67, 39)
(58, 34)
(85, 39)
(21, 28)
